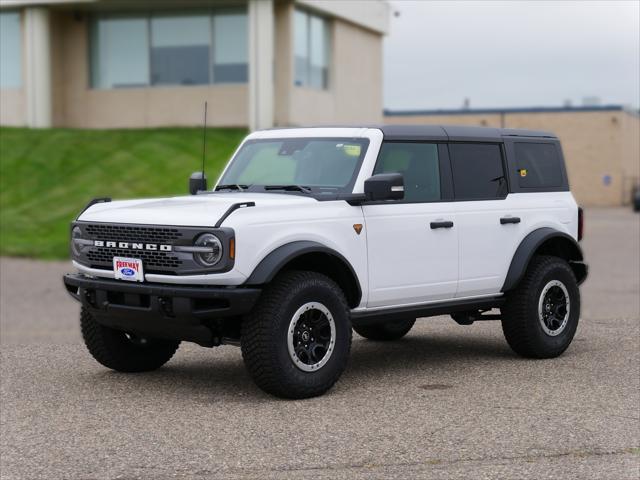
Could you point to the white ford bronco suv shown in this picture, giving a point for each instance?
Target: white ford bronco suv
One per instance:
(312, 232)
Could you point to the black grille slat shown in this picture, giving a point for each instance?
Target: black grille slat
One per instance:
(150, 258)
(131, 233)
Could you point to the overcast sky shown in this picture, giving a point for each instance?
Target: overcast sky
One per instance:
(511, 53)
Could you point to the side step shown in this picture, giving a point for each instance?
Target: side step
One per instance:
(467, 318)
(466, 308)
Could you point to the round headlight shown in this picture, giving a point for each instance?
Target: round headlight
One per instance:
(76, 233)
(211, 257)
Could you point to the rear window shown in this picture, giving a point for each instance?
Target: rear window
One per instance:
(478, 171)
(538, 165)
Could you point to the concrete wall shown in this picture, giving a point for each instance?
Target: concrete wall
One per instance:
(12, 107)
(283, 68)
(595, 144)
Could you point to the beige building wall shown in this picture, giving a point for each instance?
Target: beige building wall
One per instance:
(283, 68)
(12, 107)
(630, 153)
(355, 82)
(595, 144)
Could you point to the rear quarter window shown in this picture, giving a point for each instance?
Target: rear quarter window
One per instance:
(538, 165)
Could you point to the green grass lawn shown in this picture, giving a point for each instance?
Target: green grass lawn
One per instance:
(47, 176)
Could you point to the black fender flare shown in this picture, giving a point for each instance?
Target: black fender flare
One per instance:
(270, 265)
(530, 245)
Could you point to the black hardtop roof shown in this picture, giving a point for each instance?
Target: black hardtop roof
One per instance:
(456, 133)
(443, 133)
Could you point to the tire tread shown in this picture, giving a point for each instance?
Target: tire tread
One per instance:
(257, 336)
(109, 348)
(517, 323)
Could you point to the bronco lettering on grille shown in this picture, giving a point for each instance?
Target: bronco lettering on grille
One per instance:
(132, 245)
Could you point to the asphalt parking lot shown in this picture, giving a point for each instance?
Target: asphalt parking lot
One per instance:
(445, 402)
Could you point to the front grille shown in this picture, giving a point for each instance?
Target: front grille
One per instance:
(156, 261)
(152, 260)
(133, 233)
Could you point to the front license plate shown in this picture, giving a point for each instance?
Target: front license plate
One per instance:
(129, 269)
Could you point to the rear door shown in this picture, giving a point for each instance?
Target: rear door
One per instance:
(412, 244)
(488, 218)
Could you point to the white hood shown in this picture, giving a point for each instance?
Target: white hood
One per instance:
(195, 210)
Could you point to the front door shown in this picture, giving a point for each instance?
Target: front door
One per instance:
(412, 243)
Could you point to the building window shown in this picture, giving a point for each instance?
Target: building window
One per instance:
(120, 52)
(159, 49)
(312, 47)
(180, 50)
(10, 50)
(230, 55)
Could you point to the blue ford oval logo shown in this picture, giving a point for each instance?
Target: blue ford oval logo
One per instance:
(128, 272)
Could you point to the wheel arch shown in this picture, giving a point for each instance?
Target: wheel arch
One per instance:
(547, 241)
(312, 256)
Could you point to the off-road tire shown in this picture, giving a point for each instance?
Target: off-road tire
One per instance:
(385, 332)
(264, 337)
(115, 350)
(521, 324)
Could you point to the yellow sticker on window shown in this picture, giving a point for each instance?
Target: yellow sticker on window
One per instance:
(523, 172)
(352, 150)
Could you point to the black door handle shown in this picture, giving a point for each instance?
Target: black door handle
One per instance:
(505, 220)
(447, 224)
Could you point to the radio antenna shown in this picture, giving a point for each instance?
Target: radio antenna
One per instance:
(204, 137)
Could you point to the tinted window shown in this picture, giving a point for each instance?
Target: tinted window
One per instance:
(120, 52)
(180, 50)
(418, 163)
(538, 165)
(231, 51)
(478, 171)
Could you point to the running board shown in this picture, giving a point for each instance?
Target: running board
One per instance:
(427, 310)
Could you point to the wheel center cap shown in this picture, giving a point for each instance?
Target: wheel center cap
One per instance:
(305, 336)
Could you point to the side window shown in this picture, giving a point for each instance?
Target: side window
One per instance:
(538, 165)
(478, 171)
(419, 164)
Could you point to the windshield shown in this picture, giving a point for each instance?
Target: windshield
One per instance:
(307, 165)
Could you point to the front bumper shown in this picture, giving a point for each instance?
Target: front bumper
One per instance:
(167, 311)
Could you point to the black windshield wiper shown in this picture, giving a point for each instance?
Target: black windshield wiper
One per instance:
(291, 188)
(233, 186)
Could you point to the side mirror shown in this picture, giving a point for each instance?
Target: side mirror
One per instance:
(197, 182)
(384, 186)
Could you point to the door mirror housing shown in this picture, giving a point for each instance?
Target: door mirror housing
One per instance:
(197, 182)
(384, 186)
